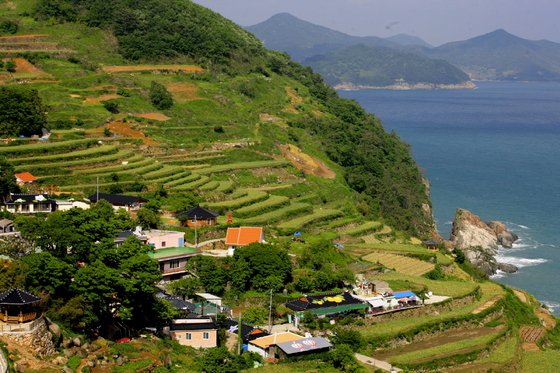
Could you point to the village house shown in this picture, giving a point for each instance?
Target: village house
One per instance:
(307, 346)
(327, 304)
(162, 239)
(71, 204)
(7, 226)
(237, 237)
(25, 178)
(266, 346)
(194, 330)
(198, 217)
(248, 332)
(172, 261)
(29, 203)
(129, 203)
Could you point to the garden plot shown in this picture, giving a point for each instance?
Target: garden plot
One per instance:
(401, 263)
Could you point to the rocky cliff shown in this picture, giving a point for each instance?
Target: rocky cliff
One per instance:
(469, 231)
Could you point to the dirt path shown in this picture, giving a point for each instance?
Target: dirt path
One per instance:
(23, 354)
(488, 304)
(521, 295)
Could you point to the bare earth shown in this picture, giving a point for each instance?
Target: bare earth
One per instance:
(306, 163)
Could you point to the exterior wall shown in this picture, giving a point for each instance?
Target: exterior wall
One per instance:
(171, 239)
(199, 223)
(254, 348)
(75, 204)
(31, 207)
(165, 266)
(197, 338)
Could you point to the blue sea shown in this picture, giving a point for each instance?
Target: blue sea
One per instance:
(494, 151)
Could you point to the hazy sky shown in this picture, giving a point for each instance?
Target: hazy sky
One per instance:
(435, 21)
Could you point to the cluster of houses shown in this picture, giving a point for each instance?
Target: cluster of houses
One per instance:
(196, 327)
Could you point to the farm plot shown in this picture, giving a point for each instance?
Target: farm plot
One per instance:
(185, 68)
(118, 168)
(256, 208)
(240, 166)
(317, 215)
(362, 229)
(281, 213)
(192, 185)
(252, 196)
(401, 263)
(90, 153)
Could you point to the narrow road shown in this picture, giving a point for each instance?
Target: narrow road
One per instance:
(377, 363)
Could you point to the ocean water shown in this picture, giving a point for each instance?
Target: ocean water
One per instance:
(494, 151)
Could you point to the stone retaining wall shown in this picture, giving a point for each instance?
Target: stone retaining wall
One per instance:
(3, 363)
(38, 340)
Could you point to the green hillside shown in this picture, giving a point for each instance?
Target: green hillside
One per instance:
(361, 65)
(95, 65)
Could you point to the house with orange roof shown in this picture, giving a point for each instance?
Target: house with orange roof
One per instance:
(237, 237)
(25, 178)
(265, 346)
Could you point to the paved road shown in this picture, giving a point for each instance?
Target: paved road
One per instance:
(377, 363)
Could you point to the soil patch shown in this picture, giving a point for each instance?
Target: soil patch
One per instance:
(544, 315)
(121, 128)
(294, 100)
(96, 100)
(75, 96)
(521, 295)
(183, 92)
(23, 354)
(154, 116)
(185, 68)
(306, 163)
(446, 337)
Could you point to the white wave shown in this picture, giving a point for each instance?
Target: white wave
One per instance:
(523, 226)
(520, 262)
(552, 306)
(498, 274)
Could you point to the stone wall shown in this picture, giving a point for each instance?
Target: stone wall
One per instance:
(3, 363)
(38, 340)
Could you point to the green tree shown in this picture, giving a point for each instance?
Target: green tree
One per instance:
(21, 111)
(350, 337)
(147, 218)
(267, 266)
(255, 316)
(8, 26)
(7, 179)
(210, 271)
(12, 274)
(10, 66)
(160, 97)
(48, 273)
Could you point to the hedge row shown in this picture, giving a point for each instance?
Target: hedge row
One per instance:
(317, 215)
(47, 147)
(253, 196)
(78, 155)
(287, 212)
(190, 186)
(184, 180)
(270, 204)
(367, 227)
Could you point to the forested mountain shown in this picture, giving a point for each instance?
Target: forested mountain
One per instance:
(500, 55)
(404, 39)
(363, 66)
(301, 39)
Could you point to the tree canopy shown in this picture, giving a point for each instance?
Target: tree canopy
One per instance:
(22, 112)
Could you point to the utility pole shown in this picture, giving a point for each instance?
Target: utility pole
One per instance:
(195, 234)
(239, 335)
(270, 314)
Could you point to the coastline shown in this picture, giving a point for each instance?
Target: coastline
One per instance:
(402, 86)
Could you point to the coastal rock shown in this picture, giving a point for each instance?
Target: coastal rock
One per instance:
(505, 237)
(507, 268)
(469, 231)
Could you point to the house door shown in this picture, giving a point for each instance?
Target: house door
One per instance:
(181, 242)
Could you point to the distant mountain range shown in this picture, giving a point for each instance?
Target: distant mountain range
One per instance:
(362, 66)
(495, 56)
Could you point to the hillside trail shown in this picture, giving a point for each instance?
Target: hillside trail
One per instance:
(487, 304)
(376, 363)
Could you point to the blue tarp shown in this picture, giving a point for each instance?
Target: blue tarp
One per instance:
(297, 234)
(403, 294)
(339, 245)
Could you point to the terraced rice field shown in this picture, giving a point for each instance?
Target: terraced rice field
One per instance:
(401, 263)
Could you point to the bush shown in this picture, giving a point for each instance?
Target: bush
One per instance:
(111, 106)
(160, 96)
(10, 66)
(8, 26)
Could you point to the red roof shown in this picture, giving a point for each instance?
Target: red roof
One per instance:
(243, 236)
(25, 177)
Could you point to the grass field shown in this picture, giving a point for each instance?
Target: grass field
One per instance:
(401, 263)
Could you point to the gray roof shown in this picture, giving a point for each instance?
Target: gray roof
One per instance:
(17, 297)
(304, 345)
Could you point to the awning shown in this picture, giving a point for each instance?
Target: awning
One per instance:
(377, 303)
(324, 311)
(404, 300)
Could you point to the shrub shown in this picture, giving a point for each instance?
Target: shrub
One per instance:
(160, 96)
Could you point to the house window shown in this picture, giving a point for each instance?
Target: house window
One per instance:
(162, 243)
(188, 336)
(174, 263)
(208, 221)
(205, 335)
(178, 336)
